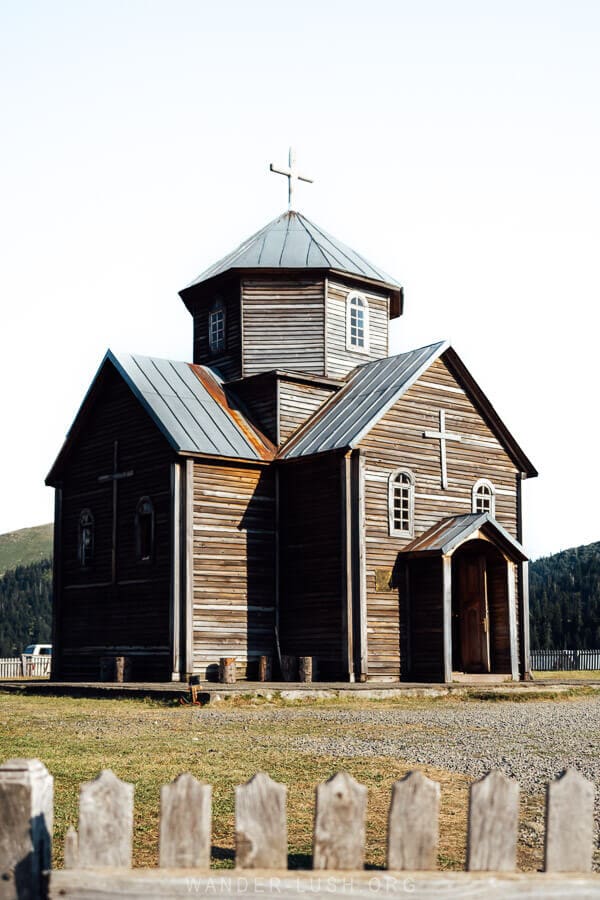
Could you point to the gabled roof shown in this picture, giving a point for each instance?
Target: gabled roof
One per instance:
(373, 388)
(291, 241)
(448, 534)
(188, 404)
(368, 394)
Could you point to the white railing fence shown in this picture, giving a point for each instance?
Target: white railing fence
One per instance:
(561, 660)
(98, 856)
(26, 666)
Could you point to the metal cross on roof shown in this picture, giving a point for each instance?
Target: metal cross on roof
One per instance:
(291, 173)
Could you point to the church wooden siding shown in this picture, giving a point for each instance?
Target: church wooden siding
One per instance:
(339, 360)
(479, 455)
(426, 626)
(227, 362)
(283, 324)
(297, 402)
(234, 566)
(311, 563)
(259, 396)
(130, 616)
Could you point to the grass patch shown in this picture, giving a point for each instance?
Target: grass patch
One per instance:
(567, 675)
(150, 743)
(526, 696)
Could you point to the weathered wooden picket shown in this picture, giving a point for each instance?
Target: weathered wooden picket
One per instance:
(98, 855)
(26, 665)
(561, 660)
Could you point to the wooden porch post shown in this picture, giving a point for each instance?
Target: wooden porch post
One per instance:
(346, 580)
(447, 616)
(187, 565)
(512, 620)
(175, 599)
(359, 575)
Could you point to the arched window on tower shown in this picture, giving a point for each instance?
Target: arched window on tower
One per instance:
(144, 530)
(216, 327)
(357, 322)
(86, 538)
(401, 502)
(484, 497)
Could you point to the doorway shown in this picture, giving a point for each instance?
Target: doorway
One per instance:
(480, 615)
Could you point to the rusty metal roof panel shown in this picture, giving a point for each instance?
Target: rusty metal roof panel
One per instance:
(369, 393)
(444, 537)
(190, 406)
(291, 241)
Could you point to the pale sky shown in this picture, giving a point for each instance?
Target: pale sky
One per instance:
(455, 144)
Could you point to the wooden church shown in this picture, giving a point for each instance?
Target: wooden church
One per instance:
(293, 491)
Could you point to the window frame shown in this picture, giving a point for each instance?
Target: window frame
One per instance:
(217, 308)
(363, 303)
(392, 481)
(138, 530)
(483, 483)
(86, 523)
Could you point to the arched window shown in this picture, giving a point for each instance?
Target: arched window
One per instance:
(357, 322)
(216, 327)
(86, 538)
(144, 530)
(401, 502)
(484, 497)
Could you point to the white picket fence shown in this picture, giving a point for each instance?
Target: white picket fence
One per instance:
(561, 660)
(98, 856)
(26, 666)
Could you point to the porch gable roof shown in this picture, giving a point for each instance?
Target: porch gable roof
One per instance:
(448, 534)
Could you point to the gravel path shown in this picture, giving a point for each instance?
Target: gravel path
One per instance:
(531, 741)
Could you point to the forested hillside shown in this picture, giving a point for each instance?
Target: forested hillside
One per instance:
(25, 607)
(565, 600)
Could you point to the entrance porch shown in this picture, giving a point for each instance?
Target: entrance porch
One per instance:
(463, 604)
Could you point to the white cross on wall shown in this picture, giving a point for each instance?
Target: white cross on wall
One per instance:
(291, 173)
(442, 435)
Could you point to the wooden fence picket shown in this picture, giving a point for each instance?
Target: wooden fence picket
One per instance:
(71, 849)
(185, 823)
(569, 840)
(105, 821)
(339, 832)
(413, 830)
(26, 814)
(261, 824)
(493, 823)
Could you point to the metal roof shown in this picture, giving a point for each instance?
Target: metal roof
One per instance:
(189, 405)
(291, 241)
(449, 533)
(369, 393)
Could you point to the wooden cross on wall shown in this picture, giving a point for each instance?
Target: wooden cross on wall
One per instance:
(442, 435)
(115, 477)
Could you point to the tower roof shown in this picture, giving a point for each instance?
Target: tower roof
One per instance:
(291, 241)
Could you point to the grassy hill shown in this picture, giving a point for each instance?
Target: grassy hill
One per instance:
(28, 545)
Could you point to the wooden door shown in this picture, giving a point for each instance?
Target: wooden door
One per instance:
(474, 618)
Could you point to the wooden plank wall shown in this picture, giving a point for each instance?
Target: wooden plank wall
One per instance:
(341, 361)
(396, 441)
(283, 323)
(234, 566)
(297, 403)
(229, 362)
(426, 620)
(131, 617)
(311, 563)
(259, 396)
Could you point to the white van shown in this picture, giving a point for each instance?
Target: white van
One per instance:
(37, 659)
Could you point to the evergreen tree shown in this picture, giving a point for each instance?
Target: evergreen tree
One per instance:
(25, 607)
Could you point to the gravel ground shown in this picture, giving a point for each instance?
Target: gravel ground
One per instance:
(530, 741)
